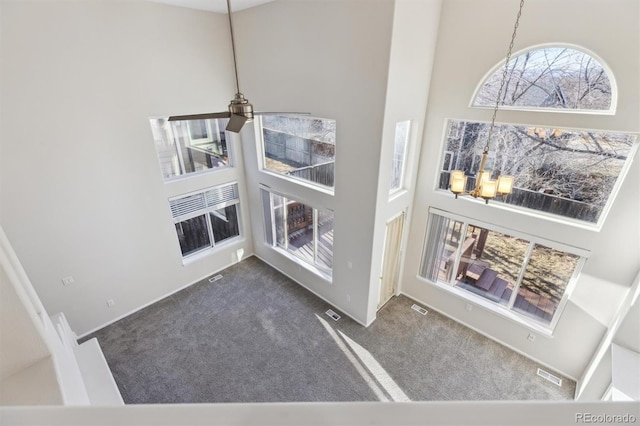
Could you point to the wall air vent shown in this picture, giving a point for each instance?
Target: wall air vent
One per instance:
(550, 377)
(333, 315)
(419, 309)
(215, 278)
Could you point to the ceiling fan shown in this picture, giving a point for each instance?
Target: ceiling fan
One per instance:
(240, 109)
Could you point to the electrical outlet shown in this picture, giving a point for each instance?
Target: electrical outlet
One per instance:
(349, 264)
(68, 280)
(531, 337)
(110, 303)
(468, 307)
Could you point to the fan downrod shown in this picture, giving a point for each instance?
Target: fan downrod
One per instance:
(240, 105)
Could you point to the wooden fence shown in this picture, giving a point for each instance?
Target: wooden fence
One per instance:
(540, 201)
(292, 149)
(318, 173)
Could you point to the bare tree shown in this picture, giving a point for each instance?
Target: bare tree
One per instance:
(572, 164)
(550, 77)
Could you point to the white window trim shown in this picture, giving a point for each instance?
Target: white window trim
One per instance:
(506, 311)
(605, 67)
(322, 273)
(494, 307)
(213, 246)
(593, 226)
(183, 173)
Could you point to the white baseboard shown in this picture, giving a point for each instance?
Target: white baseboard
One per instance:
(338, 307)
(133, 311)
(526, 355)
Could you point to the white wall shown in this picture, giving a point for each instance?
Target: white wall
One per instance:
(623, 331)
(27, 373)
(415, 31)
(331, 59)
(82, 192)
(473, 37)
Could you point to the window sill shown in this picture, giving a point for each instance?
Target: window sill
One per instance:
(327, 276)
(185, 176)
(302, 182)
(492, 307)
(192, 258)
(397, 193)
(589, 226)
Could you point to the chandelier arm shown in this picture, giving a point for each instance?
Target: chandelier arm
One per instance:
(504, 75)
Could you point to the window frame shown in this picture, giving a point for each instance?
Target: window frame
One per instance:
(271, 240)
(195, 141)
(207, 211)
(190, 143)
(495, 68)
(261, 160)
(496, 307)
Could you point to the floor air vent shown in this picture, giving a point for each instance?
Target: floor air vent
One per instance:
(550, 377)
(419, 309)
(215, 278)
(333, 315)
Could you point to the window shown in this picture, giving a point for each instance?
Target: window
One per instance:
(400, 143)
(299, 229)
(564, 172)
(206, 218)
(299, 147)
(518, 273)
(190, 146)
(559, 78)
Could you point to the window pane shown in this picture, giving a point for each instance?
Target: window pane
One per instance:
(193, 235)
(190, 146)
(300, 231)
(300, 147)
(569, 173)
(224, 223)
(202, 143)
(324, 256)
(165, 147)
(545, 280)
(490, 263)
(399, 154)
(278, 217)
(551, 77)
(441, 247)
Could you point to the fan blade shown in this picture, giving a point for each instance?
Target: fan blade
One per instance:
(206, 116)
(236, 122)
(280, 113)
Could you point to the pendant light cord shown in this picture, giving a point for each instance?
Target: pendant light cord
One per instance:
(504, 76)
(233, 46)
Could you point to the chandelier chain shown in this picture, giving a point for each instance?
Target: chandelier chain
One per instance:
(504, 75)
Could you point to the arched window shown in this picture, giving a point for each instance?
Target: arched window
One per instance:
(562, 171)
(551, 77)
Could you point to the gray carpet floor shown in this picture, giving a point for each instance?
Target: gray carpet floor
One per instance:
(257, 336)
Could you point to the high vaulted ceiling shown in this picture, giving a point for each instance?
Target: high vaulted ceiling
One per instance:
(218, 6)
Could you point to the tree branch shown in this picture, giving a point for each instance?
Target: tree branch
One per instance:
(562, 148)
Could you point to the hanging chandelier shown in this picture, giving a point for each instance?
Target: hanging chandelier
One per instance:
(486, 187)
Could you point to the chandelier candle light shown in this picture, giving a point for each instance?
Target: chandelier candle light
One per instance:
(486, 187)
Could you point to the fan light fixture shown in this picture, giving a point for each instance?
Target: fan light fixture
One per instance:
(486, 187)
